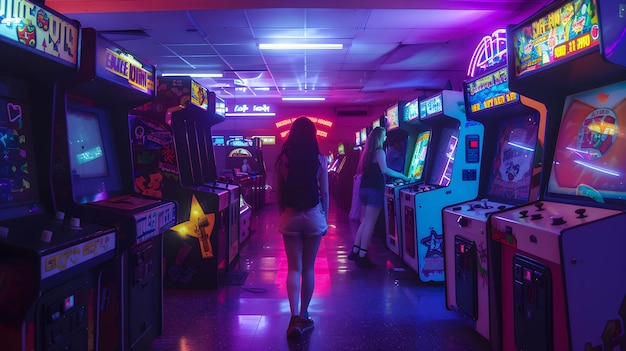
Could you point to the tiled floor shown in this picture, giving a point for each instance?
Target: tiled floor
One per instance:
(353, 308)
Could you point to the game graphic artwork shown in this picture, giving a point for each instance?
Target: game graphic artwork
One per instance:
(514, 158)
(589, 156)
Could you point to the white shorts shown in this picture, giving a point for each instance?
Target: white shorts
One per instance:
(311, 222)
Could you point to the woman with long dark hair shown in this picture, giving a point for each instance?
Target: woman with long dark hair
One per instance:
(302, 187)
(372, 165)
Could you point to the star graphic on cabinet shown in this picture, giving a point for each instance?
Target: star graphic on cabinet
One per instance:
(199, 225)
(433, 243)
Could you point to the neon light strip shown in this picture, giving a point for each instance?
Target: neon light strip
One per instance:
(595, 168)
(521, 146)
(258, 114)
(450, 159)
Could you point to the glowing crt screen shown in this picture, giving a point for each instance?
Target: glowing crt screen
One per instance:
(590, 156)
(513, 163)
(85, 142)
(431, 106)
(416, 168)
(393, 121)
(411, 110)
(363, 135)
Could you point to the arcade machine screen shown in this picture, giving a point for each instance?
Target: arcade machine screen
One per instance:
(218, 140)
(411, 110)
(357, 138)
(17, 173)
(514, 158)
(442, 168)
(95, 172)
(416, 168)
(393, 120)
(363, 135)
(589, 156)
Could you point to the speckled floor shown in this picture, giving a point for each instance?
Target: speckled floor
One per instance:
(353, 308)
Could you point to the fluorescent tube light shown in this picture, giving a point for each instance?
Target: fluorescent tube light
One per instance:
(195, 75)
(300, 46)
(304, 98)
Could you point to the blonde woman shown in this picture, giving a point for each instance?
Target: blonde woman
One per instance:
(373, 163)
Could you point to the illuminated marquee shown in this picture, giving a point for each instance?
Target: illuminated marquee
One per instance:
(491, 51)
(125, 66)
(490, 91)
(28, 24)
(568, 30)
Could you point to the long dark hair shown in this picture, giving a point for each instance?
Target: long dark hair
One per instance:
(373, 142)
(301, 147)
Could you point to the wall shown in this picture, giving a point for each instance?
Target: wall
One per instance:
(343, 129)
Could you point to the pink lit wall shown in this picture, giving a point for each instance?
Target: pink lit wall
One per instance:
(343, 129)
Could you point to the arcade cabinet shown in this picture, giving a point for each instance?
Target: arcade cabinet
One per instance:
(92, 175)
(557, 264)
(49, 263)
(400, 127)
(453, 165)
(239, 214)
(341, 173)
(511, 165)
(165, 139)
(238, 149)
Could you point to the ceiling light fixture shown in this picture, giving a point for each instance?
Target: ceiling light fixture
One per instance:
(300, 46)
(195, 75)
(304, 98)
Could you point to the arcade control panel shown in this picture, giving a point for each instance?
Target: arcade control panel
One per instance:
(535, 228)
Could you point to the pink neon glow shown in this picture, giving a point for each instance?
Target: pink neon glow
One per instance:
(490, 50)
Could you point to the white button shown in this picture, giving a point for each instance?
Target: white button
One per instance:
(75, 222)
(46, 235)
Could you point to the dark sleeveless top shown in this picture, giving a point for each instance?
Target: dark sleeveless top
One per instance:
(373, 177)
(300, 191)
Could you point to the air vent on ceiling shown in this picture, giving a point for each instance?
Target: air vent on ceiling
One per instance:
(351, 111)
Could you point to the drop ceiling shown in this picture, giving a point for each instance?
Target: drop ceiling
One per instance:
(392, 49)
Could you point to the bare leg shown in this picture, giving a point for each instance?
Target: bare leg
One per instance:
(366, 229)
(294, 251)
(311, 245)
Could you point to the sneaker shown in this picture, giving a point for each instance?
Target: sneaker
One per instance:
(353, 256)
(365, 262)
(306, 324)
(294, 330)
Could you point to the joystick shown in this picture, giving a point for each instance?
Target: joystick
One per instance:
(581, 213)
(539, 206)
(523, 214)
(557, 220)
(536, 216)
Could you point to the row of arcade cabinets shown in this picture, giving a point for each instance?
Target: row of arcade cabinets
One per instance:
(443, 162)
(554, 264)
(252, 177)
(511, 166)
(92, 179)
(50, 263)
(557, 264)
(174, 159)
(341, 171)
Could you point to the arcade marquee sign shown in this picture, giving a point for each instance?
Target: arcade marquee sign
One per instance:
(40, 29)
(127, 67)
